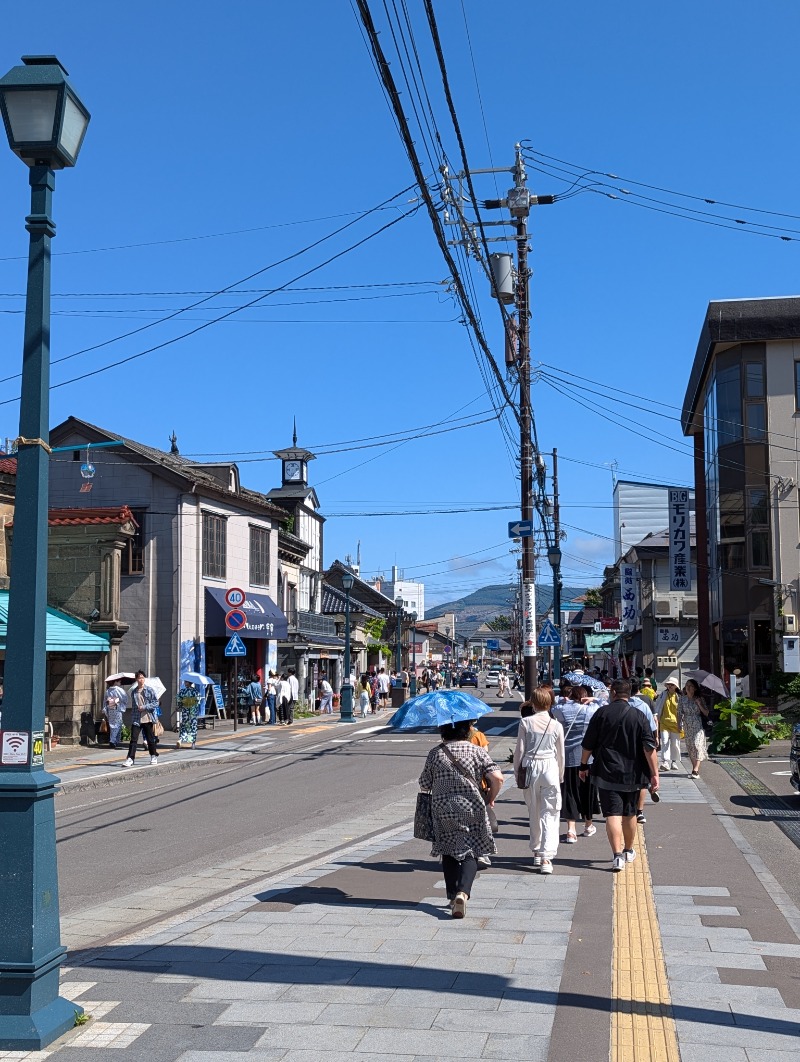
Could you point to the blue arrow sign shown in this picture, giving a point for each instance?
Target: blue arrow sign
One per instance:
(549, 635)
(520, 529)
(235, 647)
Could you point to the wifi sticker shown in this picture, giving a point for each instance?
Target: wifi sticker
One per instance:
(15, 747)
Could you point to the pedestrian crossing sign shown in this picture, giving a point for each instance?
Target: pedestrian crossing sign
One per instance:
(235, 647)
(549, 635)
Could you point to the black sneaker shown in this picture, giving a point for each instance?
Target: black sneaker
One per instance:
(640, 818)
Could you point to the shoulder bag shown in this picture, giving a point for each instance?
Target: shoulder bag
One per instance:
(423, 818)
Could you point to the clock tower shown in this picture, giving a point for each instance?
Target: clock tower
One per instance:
(294, 463)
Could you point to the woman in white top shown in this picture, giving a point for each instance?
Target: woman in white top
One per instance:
(540, 753)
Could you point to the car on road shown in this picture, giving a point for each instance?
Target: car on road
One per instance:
(468, 678)
(794, 758)
(492, 677)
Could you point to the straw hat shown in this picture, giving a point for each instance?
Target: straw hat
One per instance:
(673, 680)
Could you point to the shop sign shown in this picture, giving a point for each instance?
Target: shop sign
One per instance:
(630, 597)
(669, 636)
(679, 541)
(528, 619)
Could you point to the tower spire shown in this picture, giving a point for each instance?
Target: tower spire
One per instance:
(294, 432)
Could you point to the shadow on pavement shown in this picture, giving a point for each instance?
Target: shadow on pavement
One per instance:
(224, 964)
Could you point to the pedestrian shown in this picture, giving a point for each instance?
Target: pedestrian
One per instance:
(624, 750)
(374, 691)
(642, 704)
(254, 695)
(578, 795)
(325, 697)
(539, 767)
(189, 705)
(502, 685)
(646, 689)
(294, 694)
(461, 830)
(144, 712)
(283, 698)
(271, 691)
(665, 709)
(648, 674)
(115, 702)
(692, 710)
(364, 695)
(383, 687)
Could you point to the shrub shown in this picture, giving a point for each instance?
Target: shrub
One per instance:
(751, 727)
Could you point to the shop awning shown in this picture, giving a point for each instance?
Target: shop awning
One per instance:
(64, 634)
(264, 618)
(598, 643)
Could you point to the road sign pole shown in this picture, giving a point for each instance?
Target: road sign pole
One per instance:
(236, 693)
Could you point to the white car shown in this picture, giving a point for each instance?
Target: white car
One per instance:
(492, 677)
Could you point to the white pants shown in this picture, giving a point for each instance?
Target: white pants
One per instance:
(670, 747)
(544, 806)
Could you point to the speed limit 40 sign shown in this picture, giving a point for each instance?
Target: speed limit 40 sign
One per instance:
(234, 597)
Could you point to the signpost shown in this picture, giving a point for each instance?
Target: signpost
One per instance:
(235, 620)
(520, 529)
(549, 635)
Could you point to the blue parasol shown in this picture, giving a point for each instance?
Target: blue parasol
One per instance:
(579, 679)
(437, 709)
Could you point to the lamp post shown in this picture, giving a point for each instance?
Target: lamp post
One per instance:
(413, 683)
(554, 557)
(45, 123)
(346, 691)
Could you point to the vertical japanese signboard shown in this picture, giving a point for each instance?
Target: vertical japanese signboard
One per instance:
(679, 542)
(630, 597)
(528, 619)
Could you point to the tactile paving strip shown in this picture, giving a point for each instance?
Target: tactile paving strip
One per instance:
(777, 809)
(642, 1023)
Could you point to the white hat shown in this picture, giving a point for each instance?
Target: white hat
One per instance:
(673, 680)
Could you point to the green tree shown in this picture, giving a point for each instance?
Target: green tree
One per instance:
(593, 598)
(499, 623)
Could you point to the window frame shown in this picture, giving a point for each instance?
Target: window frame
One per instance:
(215, 553)
(260, 545)
(133, 552)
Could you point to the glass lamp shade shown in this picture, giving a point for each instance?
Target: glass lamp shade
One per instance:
(347, 582)
(554, 556)
(44, 120)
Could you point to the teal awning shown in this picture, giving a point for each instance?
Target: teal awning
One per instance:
(64, 634)
(597, 643)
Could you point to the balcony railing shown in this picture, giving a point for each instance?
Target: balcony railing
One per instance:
(310, 623)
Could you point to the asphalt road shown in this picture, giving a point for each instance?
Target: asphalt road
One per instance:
(161, 824)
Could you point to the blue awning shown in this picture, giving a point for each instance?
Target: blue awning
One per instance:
(64, 634)
(264, 618)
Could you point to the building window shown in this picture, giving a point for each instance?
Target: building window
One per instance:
(755, 421)
(215, 531)
(729, 405)
(758, 525)
(133, 550)
(759, 549)
(259, 556)
(754, 379)
(731, 556)
(797, 385)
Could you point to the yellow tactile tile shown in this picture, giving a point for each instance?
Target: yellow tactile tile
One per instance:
(642, 1025)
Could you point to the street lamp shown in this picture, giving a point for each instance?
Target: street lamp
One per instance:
(398, 656)
(554, 557)
(413, 683)
(45, 123)
(346, 691)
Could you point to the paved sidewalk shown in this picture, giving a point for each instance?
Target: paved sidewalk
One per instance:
(692, 952)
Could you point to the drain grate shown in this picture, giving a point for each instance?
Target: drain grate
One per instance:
(785, 814)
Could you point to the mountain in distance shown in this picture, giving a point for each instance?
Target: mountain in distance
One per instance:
(490, 601)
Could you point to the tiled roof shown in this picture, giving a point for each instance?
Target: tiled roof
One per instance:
(74, 517)
(8, 465)
(178, 465)
(334, 602)
(78, 517)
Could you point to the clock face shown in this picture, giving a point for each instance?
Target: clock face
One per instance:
(292, 469)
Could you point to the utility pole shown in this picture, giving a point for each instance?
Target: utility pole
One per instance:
(557, 569)
(519, 204)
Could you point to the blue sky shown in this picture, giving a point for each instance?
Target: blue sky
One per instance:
(225, 142)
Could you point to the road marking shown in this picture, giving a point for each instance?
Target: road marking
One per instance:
(373, 729)
(642, 1023)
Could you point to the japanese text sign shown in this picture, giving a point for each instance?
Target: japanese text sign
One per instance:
(679, 541)
(630, 597)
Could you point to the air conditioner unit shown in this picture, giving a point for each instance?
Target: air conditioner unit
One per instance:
(663, 609)
(789, 623)
(690, 608)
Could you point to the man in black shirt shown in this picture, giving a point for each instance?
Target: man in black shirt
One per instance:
(625, 762)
